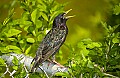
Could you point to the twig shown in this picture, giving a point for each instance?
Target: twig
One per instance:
(48, 67)
(27, 75)
(110, 75)
(7, 71)
(44, 72)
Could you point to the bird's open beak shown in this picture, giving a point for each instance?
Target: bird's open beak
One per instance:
(67, 17)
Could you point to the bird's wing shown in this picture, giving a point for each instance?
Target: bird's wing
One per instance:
(53, 40)
(49, 45)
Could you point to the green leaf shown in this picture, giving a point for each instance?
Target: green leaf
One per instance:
(60, 54)
(6, 21)
(13, 48)
(104, 24)
(15, 61)
(26, 28)
(27, 23)
(28, 50)
(87, 41)
(30, 40)
(12, 39)
(25, 16)
(0, 70)
(91, 46)
(84, 52)
(81, 45)
(55, 8)
(62, 74)
(21, 41)
(23, 45)
(53, 15)
(39, 37)
(11, 13)
(115, 40)
(90, 64)
(96, 44)
(73, 65)
(117, 9)
(44, 16)
(115, 27)
(38, 24)
(3, 50)
(2, 62)
(15, 67)
(34, 33)
(12, 32)
(33, 15)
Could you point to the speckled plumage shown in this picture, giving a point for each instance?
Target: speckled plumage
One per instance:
(52, 41)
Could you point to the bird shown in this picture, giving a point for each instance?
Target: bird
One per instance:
(52, 41)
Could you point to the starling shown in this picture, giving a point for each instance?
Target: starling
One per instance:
(52, 41)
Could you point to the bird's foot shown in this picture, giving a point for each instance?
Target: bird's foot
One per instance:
(55, 62)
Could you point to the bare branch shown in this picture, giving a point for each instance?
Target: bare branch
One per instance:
(48, 67)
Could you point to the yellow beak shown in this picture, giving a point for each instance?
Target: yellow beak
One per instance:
(67, 17)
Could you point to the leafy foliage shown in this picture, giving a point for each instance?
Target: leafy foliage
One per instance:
(24, 34)
(86, 59)
(90, 59)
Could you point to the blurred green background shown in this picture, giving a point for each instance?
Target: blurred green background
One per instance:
(86, 23)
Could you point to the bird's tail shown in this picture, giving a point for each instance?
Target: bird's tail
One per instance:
(35, 63)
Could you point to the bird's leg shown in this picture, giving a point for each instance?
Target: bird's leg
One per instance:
(49, 60)
(53, 60)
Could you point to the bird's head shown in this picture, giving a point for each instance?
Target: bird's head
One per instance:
(61, 19)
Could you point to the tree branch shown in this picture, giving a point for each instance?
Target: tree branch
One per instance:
(48, 67)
